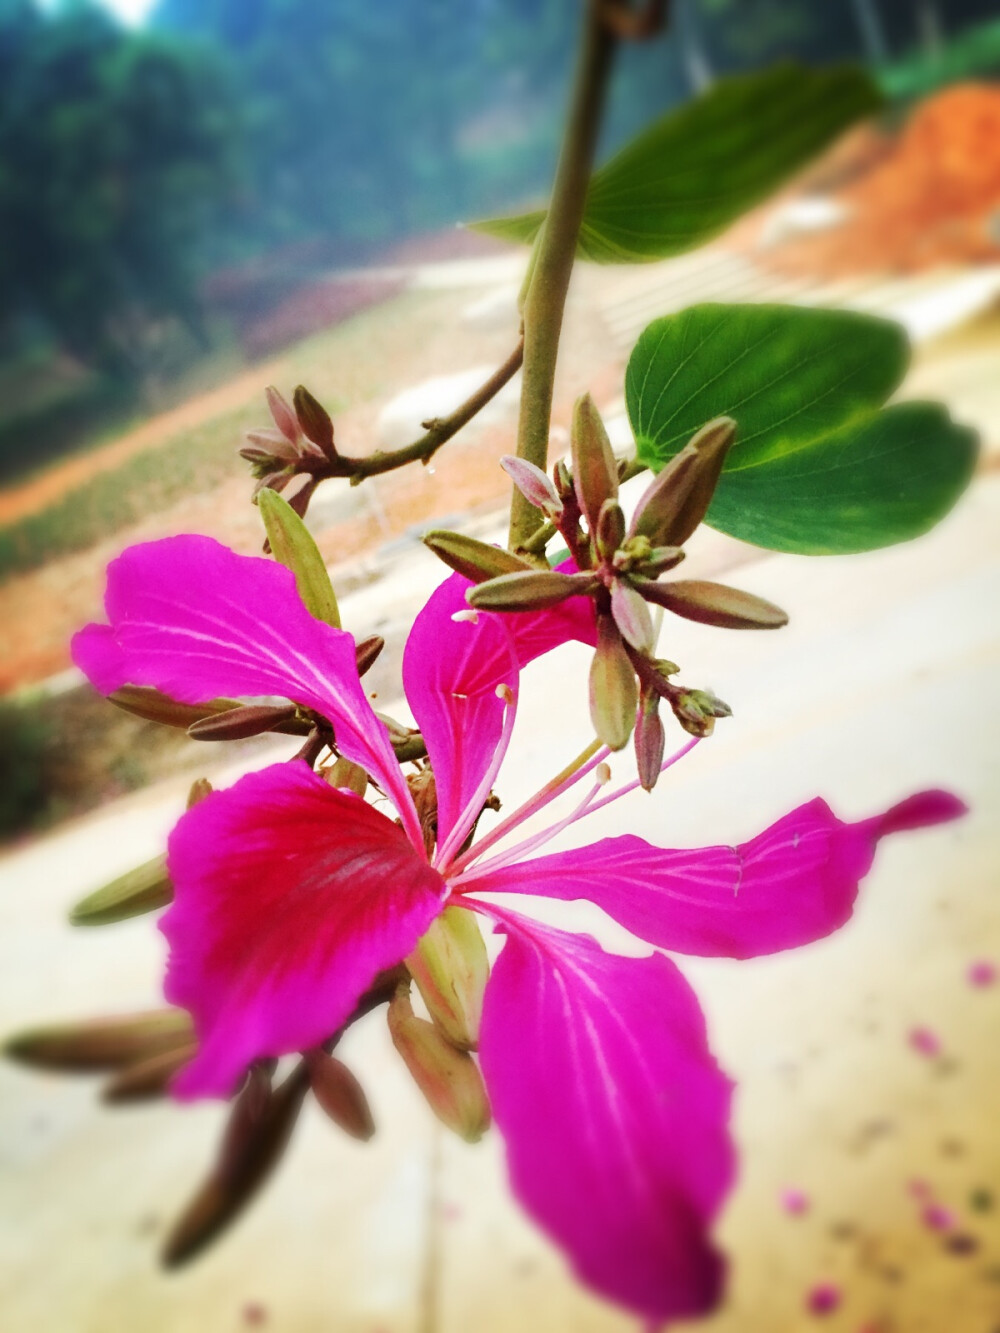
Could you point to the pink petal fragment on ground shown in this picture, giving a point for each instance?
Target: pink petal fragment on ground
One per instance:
(792, 884)
(196, 620)
(614, 1114)
(290, 896)
(451, 670)
(938, 1218)
(982, 973)
(795, 1202)
(824, 1298)
(925, 1041)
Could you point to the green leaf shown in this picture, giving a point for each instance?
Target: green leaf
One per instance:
(293, 545)
(694, 171)
(819, 466)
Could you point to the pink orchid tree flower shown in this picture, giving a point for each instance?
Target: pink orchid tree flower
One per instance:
(290, 896)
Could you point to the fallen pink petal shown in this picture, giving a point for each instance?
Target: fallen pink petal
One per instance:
(825, 1298)
(982, 974)
(925, 1041)
(795, 1202)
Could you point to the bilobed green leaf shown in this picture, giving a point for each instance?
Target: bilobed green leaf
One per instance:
(293, 545)
(819, 466)
(694, 171)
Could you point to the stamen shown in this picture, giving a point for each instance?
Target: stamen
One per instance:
(470, 614)
(578, 768)
(631, 786)
(522, 849)
(470, 814)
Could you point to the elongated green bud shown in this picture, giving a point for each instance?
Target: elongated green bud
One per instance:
(473, 559)
(293, 545)
(101, 1043)
(631, 615)
(259, 1130)
(449, 1079)
(149, 1078)
(610, 529)
(154, 706)
(528, 591)
(340, 1094)
(240, 723)
(144, 889)
(650, 740)
(534, 484)
(678, 499)
(595, 472)
(614, 695)
(451, 968)
(714, 604)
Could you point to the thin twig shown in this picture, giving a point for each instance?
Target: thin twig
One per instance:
(441, 429)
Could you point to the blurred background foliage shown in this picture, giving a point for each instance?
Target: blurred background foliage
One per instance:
(163, 186)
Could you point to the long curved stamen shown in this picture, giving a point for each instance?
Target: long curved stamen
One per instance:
(467, 819)
(575, 770)
(631, 786)
(522, 849)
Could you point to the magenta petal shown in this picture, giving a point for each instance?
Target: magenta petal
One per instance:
(614, 1113)
(794, 883)
(451, 670)
(289, 897)
(195, 620)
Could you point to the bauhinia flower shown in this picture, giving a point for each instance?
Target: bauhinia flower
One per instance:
(291, 895)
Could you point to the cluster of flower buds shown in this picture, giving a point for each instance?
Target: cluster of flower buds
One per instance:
(299, 443)
(619, 566)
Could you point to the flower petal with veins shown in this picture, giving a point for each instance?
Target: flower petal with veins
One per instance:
(195, 620)
(794, 883)
(614, 1114)
(289, 898)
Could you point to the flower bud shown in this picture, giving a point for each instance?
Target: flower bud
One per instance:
(340, 1094)
(258, 1132)
(632, 617)
(294, 547)
(451, 968)
(154, 706)
(315, 421)
(366, 652)
(473, 559)
(613, 691)
(535, 485)
(270, 444)
(696, 710)
(649, 740)
(102, 1043)
(610, 529)
(240, 723)
(144, 889)
(148, 1078)
(347, 776)
(678, 499)
(659, 560)
(282, 414)
(714, 604)
(449, 1079)
(526, 591)
(595, 472)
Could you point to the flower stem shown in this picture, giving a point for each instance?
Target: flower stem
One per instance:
(556, 250)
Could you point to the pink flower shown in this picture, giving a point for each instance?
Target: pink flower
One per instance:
(290, 896)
